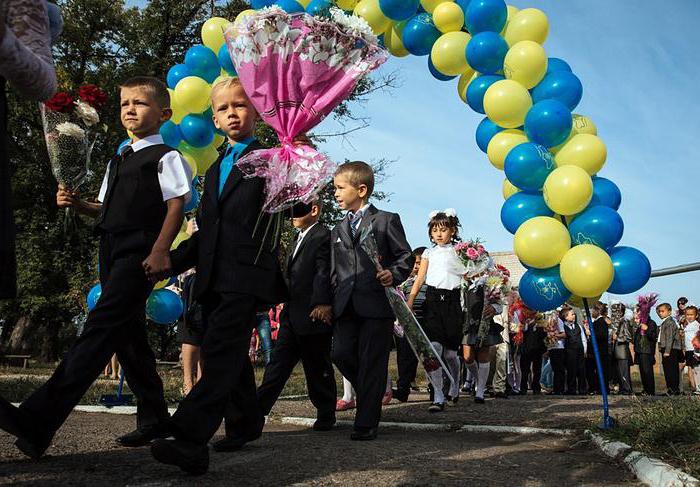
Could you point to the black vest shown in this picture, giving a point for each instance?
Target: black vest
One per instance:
(134, 200)
(573, 337)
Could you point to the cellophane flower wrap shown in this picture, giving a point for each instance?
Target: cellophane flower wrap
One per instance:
(646, 302)
(412, 330)
(474, 256)
(296, 69)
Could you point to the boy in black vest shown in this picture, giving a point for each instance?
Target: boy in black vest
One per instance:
(363, 330)
(139, 214)
(237, 275)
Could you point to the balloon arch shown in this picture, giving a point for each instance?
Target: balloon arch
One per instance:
(562, 214)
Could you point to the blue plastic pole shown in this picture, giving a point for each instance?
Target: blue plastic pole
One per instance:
(608, 421)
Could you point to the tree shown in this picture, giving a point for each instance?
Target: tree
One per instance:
(103, 42)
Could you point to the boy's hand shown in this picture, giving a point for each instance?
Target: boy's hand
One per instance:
(410, 302)
(157, 265)
(385, 278)
(66, 198)
(322, 312)
(303, 139)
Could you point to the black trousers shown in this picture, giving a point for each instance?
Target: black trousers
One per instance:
(558, 361)
(115, 325)
(227, 386)
(407, 363)
(645, 361)
(592, 373)
(361, 353)
(671, 372)
(530, 361)
(314, 351)
(575, 371)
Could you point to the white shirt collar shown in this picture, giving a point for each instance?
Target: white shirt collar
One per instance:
(147, 142)
(361, 211)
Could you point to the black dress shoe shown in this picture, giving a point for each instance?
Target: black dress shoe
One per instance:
(363, 434)
(479, 400)
(400, 394)
(18, 423)
(190, 457)
(143, 437)
(237, 441)
(501, 395)
(324, 424)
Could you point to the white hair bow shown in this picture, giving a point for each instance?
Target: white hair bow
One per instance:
(447, 211)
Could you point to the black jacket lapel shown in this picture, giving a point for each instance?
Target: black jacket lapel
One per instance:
(367, 220)
(236, 174)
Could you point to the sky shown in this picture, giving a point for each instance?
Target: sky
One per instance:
(639, 71)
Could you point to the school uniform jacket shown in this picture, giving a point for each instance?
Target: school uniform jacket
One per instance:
(354, 275)
(669, 336)
(225, 248)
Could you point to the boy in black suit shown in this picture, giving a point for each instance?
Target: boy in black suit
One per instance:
(237, 274)
(139, 213)
(363, 330)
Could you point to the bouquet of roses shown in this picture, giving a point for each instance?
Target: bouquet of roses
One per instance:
(496, 287)
(474, 256)
(70, 124)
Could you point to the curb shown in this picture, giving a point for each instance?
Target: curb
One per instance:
(650, 471)
(519, 430)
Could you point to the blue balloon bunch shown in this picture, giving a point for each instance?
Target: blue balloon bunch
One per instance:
(164, 307)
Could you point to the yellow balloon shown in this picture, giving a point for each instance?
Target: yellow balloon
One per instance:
(506, 103)
(448, 17)
(130, 133)
(304, 3)
(508, 189)
(583, 125)
(393, 42)
(577, 301)
(448, 53)
(161, 284)
(204, 157)
(430, 5)
(501, 144)
(347, 5)
(526, 63)
(568, 190)
(585, 151)
(370, 11)
(179, 238)
(191, 161)
(213, 33)
(511, 13)
(192, 94)
(464, 80)
(218, 140)
(587, 271)
(178, 112)
(243, 15)
(541, 242)
(529, 24)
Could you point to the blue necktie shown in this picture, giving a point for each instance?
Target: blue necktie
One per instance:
(226, 167)
(355, 219)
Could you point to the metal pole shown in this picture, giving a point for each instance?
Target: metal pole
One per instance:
(679, 269)
(608, 421)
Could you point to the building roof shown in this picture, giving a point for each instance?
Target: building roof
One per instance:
(511, 262)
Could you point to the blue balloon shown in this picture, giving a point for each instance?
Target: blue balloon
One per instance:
(605, 193)
(522, 206)
(527, 166)
(464, 5)
(556, 64)
(258, 4)
(194, 200)
(202, 62)
(171, 134)
(486, 52)
(548, 123)
(197, 130)
(290, 6)
(176, 73)
(486, 15)
(597, 225)
(485, 132)
(225, 61)
(122, 145)
(543, 289)
(164, 307)
(632, 270)
(437, 74)
(477, 89)
(563, 86)
(94, 296)
(420, 34)
(398, 10)
(320, 8)
(208, 115)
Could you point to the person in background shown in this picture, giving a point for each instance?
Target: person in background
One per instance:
(671, 348)
(645, 338)
(622, 337)
(26, 34)
(575, 349)
(190, 330)
(274, 315)
(680, 310)
(689, 333)
(556, 337)
(264, 335)
(531, 356)
(599, 330)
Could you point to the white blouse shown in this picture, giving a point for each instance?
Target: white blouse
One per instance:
(445, 269)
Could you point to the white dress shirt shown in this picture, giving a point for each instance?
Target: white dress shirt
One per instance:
(174, 178)
(445, 269)
(300, 239)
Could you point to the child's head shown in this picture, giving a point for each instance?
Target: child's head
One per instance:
(417, 257)
(354, 183)
(663, 310)
(443, 227)
(599, 309)
(145, 105)
(691, 314)
(304, 215)
(682, 303)
(567, 314)
(232, 111)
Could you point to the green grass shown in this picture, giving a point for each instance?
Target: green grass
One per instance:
(668, 429)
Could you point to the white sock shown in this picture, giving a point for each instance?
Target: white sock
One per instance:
(348, 391)
(482, 377)
(452, 362)
(435, 377)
